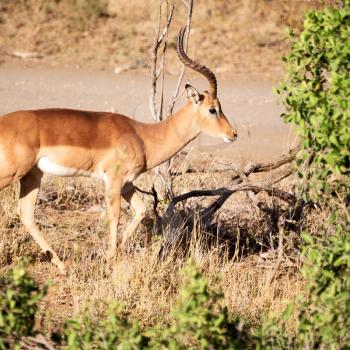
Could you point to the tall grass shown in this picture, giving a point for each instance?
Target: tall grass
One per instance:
(237, 261)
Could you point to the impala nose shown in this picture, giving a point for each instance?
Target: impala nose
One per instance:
(231, 138)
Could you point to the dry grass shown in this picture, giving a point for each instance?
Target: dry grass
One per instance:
(79, 33)
(239, 254)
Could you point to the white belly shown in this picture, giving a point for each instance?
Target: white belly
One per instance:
(49, 167)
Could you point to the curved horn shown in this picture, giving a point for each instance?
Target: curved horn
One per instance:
(195, 65)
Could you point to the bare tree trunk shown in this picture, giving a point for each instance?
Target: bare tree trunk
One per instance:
(157, 80)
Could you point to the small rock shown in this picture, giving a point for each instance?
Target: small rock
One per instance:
(118, 70)
(113, 7)
(70, 189)
(95, 209)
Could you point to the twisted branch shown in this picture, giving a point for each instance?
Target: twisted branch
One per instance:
(240, 183)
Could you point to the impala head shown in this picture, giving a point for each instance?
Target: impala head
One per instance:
(207, 105)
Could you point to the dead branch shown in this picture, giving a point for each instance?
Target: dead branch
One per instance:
(242, 178)
(161, 38)
(207, 214)
(265, 186)
(158, 73)
(240, 183)
(259, 167)
(271, 165)
(177, 92)
(39, 342)
(253, 167)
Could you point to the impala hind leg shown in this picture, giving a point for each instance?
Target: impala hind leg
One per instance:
(29, 188)
(130, 195)
(113, 198)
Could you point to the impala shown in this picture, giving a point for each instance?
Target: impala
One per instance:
(107, 146)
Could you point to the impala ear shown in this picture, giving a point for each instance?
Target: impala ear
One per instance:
(193, 95)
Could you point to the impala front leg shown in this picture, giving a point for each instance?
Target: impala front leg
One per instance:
(130, 195)
(113, 198)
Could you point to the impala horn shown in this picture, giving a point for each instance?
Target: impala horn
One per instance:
(195, 65)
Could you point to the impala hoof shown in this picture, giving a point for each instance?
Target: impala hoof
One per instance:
(60, 265)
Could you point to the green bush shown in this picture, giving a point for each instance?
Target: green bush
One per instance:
(198, 321)
(323, 311)
(19, 296)
(316, 95)
(114, 331)
(324, 317)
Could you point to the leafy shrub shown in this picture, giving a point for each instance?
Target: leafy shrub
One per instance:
(19, 296)
(114, 331)
(317, 99)
(323, 311)
(274, 334)
(324, 317)
(198, 321)
(316, 94)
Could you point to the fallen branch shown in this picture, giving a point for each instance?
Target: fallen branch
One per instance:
(225, 193)
(242, 177)
(208, 213)
(39, 342)
(253, 167)
(240, 183)
(271, 165)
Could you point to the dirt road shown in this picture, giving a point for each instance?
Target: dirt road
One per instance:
(249, 104)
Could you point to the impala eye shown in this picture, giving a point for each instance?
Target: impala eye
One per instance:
(212, 111)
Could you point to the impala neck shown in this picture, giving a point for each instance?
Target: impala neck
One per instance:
(164, 139)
